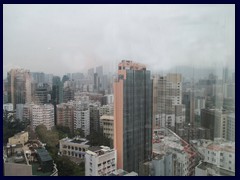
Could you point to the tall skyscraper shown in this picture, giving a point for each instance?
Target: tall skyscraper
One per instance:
(132, 115)
(57, 90)
(19, 86)
(99, 71)
(38, 77)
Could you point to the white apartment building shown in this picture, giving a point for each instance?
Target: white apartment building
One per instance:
(75, 147)
(100, 161)
(43, 114)
(82, 117)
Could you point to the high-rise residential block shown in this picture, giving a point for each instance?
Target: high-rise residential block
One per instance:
(94, 117)
(43, 114)
(168, 110)
(65, 115)
(41, 93)
(82, 117)
(19, 86)
(216, 121)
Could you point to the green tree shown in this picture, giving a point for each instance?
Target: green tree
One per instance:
(98, 139)
(79, 132)
(11, 126)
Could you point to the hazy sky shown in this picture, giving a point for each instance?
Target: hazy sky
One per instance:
(72, 38)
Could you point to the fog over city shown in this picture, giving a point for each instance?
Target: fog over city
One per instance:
(59, 39)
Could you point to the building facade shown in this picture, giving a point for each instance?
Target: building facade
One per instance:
(94, 117)
(19, 138)
(43, 114)
(132, 115)
(19, 86)
(100, 161)
(75, 147)
(107, 126)
(168, 110)
(65, 115)
(82, 117)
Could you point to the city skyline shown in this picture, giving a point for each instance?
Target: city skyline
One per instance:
(119, 90)
(38, 37)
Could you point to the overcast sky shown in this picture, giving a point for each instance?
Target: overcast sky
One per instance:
(72, 38)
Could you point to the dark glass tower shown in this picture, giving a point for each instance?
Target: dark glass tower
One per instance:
(133, 115)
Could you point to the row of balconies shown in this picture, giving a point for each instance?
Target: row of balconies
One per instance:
(74, 148)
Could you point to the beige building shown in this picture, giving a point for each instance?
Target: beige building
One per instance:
(19, 138)
(107, 125)
(168, 109)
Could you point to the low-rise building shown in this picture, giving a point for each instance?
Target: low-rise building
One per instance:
(19, 138)
(208, 169)
(220, 153)
(100, 161)
(183, 159)
(121, 172)
(75, 147)
(32, 159)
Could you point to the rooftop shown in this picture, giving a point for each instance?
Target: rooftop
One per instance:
(107, 117)
(44, 155)
(99, 150)
(214, 169)
(222, 147)
(77, 140)
(27, 154)
(121, 172)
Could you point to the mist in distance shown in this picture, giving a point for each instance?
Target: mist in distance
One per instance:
(61, 39)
